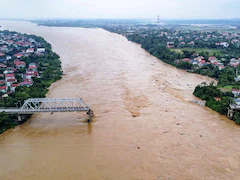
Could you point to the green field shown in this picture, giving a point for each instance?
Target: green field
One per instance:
(211, 52)
(228, 88)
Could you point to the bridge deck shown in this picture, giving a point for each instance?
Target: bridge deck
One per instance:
(32, 111)
(235, 107)
(32, 106)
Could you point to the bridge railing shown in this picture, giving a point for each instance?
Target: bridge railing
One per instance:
(50, 105)
(9, 108)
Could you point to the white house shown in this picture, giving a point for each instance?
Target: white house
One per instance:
(41, 50)
(10, 82)
(3, 89)
(30, 50)
(13, 87)
(236, 92)
(224, 44)
(8, 58)
(18, 55)
(20, 64)
(9, 76)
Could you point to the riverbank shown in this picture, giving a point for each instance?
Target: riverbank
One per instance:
(118, 79)
(37, 72)
(218, 101)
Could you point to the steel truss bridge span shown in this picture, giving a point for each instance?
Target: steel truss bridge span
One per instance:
(37, 105)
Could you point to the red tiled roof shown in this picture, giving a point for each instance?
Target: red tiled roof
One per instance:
(236, 90)
(17, 63)
(212, 58)
(18, 54)
(11, 80)
(186, 59)
(3, 87)
(25, 83)
(14, 85)
(32, 67)
(10, 75)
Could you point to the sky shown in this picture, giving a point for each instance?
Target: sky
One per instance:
(120, 9)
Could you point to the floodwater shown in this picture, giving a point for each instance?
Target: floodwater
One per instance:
(144, 128)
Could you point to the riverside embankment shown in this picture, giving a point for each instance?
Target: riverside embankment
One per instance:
(144, 128)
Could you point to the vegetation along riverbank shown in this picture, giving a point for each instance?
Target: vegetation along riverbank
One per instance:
(209, 51)
(28, 66)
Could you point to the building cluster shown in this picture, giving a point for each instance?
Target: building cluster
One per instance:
(214, 61)
(14, 71)
(193, 38)
(186, 38)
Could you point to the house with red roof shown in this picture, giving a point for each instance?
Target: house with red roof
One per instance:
(32, 66)
(3, 89)
(31, 73)
(26, 83)
(212, 58)
(19, 64)
(236, 92)
(9, 76)
(191, 43)
(186, 60)
(10, 42)
(30, 50)
(13, 87)
(221, 67)
(11, 81)
(234, 62)
(18, 55)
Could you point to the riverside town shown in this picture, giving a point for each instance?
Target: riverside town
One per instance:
(27, 67)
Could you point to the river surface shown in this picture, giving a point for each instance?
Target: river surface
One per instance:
(144, 128)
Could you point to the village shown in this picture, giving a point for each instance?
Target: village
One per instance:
(196, 41)
(14, 71)
(200, 61)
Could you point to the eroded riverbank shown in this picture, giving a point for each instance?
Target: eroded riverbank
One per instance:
(144, 128)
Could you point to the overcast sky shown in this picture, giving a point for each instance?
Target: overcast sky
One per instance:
(166, 9)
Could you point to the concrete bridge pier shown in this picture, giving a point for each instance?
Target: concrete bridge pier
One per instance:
(230, 113)
(91, 115)
(19, 118)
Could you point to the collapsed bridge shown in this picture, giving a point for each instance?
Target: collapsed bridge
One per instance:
(37, 105)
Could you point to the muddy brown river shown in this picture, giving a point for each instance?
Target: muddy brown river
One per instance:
(144, 128)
